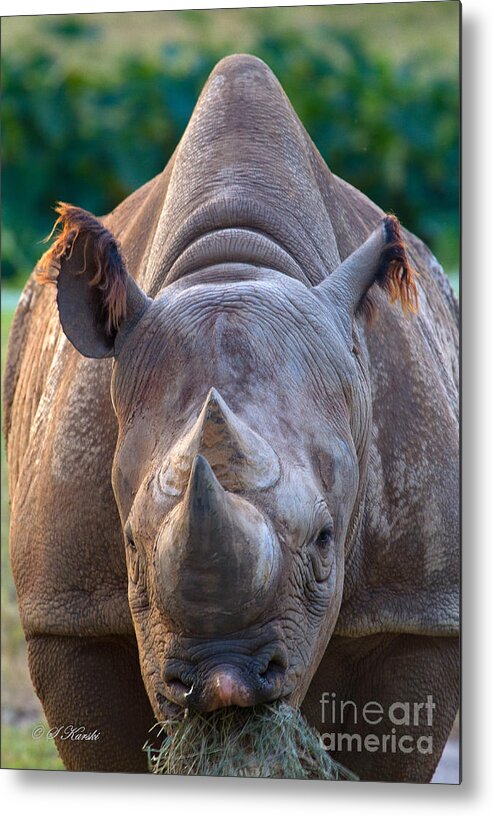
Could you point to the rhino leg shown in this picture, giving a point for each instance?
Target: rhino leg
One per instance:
(94, 684)
(386, 669)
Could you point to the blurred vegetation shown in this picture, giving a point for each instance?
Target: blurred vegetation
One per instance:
(88, 120)
(20, 750)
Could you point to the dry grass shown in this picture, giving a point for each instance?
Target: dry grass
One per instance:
(272, 741)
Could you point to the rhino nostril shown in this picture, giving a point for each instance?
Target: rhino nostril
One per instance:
(178, 683)
(274, 669)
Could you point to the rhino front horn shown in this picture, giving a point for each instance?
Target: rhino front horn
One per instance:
(218, 559)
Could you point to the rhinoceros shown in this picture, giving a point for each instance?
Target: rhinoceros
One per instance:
(232, 434)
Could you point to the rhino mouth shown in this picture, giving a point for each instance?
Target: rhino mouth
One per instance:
(167, 709)
(232, 682)
(205, 675)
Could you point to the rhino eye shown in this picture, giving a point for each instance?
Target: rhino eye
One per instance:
(325, 536)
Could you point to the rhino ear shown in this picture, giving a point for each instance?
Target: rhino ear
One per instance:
(97, 299)
(382, 259)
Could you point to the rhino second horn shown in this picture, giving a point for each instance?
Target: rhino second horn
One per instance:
(239, 456)
(218, 559)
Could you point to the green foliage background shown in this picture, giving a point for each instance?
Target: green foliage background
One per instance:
(94, 105)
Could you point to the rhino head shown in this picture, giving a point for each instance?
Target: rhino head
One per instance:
(244, 408)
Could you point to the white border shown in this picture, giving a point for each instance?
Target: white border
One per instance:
(19, 7)
(120, 794)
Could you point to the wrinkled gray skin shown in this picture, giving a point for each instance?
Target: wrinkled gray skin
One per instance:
(286, 476)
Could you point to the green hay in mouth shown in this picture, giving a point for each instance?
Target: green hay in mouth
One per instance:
(272, 741)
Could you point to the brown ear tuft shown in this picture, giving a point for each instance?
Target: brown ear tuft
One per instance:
(102, 258)
(394, 274)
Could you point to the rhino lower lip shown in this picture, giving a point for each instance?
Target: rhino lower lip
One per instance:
(168, 709)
